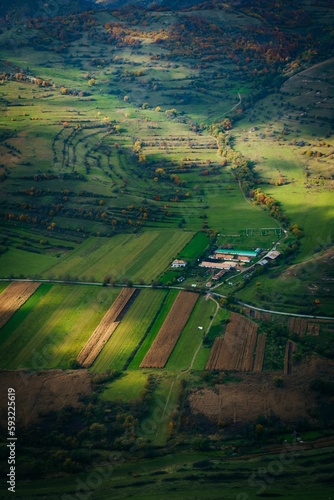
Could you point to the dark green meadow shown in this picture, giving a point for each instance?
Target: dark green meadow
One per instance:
(203, 475)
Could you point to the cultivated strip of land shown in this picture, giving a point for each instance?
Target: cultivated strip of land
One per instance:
(13, 297)
(170, 331)
(104, 330)
(259, 355)
(235, 351)
(290, 349)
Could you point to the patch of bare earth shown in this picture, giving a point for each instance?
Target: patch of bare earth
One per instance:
(234, 351)
(38, 393)
(256, 394)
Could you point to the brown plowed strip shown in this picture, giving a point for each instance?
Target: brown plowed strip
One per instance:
(290, 348)
(247, 360)
(170, 331)
(235, 350)
(313, 329)
(259, 356)
(13, 297)
(215, 353)
(104, 330)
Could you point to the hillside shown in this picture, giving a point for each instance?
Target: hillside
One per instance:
(127, 135)
(166, 247)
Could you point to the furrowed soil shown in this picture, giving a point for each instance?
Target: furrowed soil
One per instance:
(236, 349)
(259, 354)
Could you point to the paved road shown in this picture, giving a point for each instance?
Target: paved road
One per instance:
(99, 283)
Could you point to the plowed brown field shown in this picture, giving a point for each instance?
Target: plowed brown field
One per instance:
(104, 330)
(298, 326)
(259, 355)
(235, 350)
(13, 297)
(290, 348)
(170, 331)
(256, 394)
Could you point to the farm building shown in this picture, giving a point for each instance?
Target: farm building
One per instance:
(243, 258)
(218, 265)
(218, 275)
(263, 262)
(242, 253)
(235, 255)
(273, 254)
(179, 263)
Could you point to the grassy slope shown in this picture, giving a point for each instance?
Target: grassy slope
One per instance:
(18, 263)
(309, 208)
(126, 388)
(165, 402)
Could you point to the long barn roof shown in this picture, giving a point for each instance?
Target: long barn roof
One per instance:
(249, 253)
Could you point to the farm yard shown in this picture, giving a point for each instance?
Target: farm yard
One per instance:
(303, 288)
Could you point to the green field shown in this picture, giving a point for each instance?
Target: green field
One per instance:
(166, 306)
(3, 286)
(53, 325)
(137, 257)
(123, 344)
(18, 263)
(195, 247)
(191, 336)
(216, 329)
(126, 388)
(158, 425)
